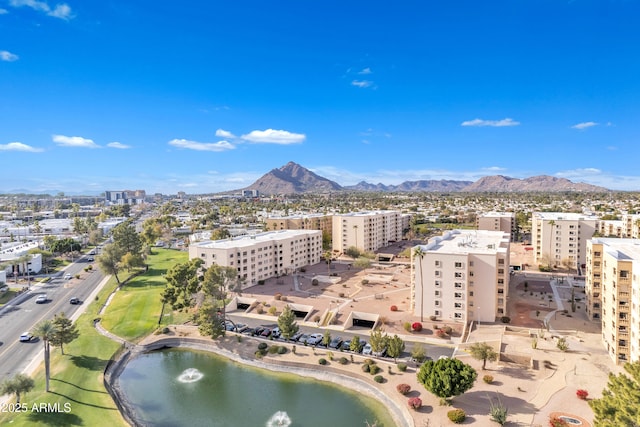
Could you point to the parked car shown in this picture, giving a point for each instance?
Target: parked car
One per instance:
(275, 333)
(90, 259)
(303, 338)
(380, 353)
(265, 333)
(67, 276)
(41, 299)
(314, 339)
(26, 337)
(346, 345)
(241, 327)
(335, 342)
(296, 336)
(366, 350)
(249, 331)
(74, 301)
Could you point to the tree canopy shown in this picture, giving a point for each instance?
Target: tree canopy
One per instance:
(66, 331)
(447, 377)
(620, 401)
(183, 282)
(287, 323)
(18, 385)
(483, 351)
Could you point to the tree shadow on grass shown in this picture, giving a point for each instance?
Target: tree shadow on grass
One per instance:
(55, 418)
(78, 402)
(77, 386)
(89, 362)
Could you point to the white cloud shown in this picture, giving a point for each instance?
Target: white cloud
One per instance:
(362, 83)
(202, 146)
(493, 123)
(119, 145)
(272, 136)
(494, 169)
(221, 133)
(19, 146)
(365, 71)
(74, 141)
(578, 173)
(584, 125)
(3, 11)
(61, 10)
(612, 148)
(5, 55)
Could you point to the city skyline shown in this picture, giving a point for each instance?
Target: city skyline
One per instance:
(206, 99)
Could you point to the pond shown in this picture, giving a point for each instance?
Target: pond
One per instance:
(179, 387)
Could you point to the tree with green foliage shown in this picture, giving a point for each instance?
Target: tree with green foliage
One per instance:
(216, 284)
(151, 231)
(18, 385)
(128, 241)
(287, 323)
(355, 344)
(362, 262)
(326, 338)
(378, 340)
(46, 331)
(352, 252)
(110, 260)
(446, 377)
(209, 320)
(183, 283)
(418, 353)
(66, 331)
(483, 351)
(395, 347)
(620, 401)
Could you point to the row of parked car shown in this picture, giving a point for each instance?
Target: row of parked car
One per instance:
(314, 340)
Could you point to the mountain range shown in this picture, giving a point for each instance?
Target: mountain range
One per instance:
(295, 179)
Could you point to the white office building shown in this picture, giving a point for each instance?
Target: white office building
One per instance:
(367, 231)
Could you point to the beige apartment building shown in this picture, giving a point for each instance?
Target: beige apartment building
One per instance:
(560, 239)
(301, 222)
(264, 255)
(498, 221)
(631, 226)
(461, 276)
(613, 228)
(367, 231)
(613, 294)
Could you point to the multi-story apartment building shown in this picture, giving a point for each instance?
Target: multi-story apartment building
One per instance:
(462, 275)
(124, 197)
(613, 294)
(631, 226)
(611, 228)
(264, 255)
(498, 221)
(301, 222)
(367, 231)
(561, 238)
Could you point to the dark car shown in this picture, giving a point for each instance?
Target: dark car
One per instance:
(335, 342)
(296, 336)
(74, 301)
(265, 333)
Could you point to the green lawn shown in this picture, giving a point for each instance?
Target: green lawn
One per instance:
(7, 296)
(76, 377)
(139, 300)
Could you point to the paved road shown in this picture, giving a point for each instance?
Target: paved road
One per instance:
(15, 356)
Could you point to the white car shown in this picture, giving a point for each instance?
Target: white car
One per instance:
(41, 299)
(26, 337)
(67, 276)
(314, 339)
(367, 350)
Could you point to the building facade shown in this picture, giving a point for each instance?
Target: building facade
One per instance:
(498, 221)
(367, 231)
(462, 275)
(124, 197)
(561, 238)
(264, 255)
(301, 222)
(613, 294)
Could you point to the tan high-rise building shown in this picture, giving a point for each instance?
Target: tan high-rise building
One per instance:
(262, 256)
(631, 226)
(613, 294)
(561, 238)
(367, 231)
(301, 222)
(498, 221)
(462, 275)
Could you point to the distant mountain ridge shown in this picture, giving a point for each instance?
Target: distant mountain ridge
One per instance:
(295, 179)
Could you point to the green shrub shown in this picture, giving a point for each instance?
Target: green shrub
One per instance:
(282, 349)
(273, 311)
(343, 360)
(366, 367)
(314, 282)
(260, 353)
(378, 379)
(262, 346)
(447, 330)
(456, 415)
(322, 361)
(402, 367)
(505, 319)
(407, 326)
(488, 379)
(369, 362)
(374, 369)
(273, 349)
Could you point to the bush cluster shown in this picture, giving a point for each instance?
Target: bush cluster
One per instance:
(402, 367)
(488, 379)
(416, 326)
(415, 403)
(343, 360)
(262, 346)
(403, 388)
(582, 394)
(378, 379)
(322, 361)
(394, 308)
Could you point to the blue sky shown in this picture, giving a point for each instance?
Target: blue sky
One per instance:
(208, 96)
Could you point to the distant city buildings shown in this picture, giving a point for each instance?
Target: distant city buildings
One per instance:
(561, 238)
(498, 221)
(301, 222)
(613, 294)
(264, 255)
(367, 231)
(462, 275)
(124, 197)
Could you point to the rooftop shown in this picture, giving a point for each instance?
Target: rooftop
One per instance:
(252, 239)
(621, 249)
(563, 216)
(469, 241)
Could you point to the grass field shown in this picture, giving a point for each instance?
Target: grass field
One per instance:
(76, 376)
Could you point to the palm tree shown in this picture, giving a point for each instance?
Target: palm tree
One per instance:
(419, 253)
(355, 234)
(46, 330)
(552, 223)
(327, 258)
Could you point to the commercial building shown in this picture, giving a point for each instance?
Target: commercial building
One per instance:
(124, 197)
(561, 238)
(367, 231)
(498, 221)
(264, 255)
(462, 275)
(613, 294)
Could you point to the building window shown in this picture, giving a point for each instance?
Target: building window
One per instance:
(458, 285)
(458, 265)
(458, 295)
(437, 293)
(438, 283)
(457, 315)
(458, 275)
